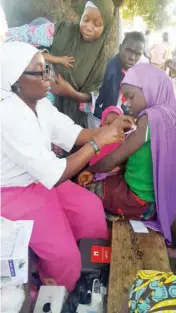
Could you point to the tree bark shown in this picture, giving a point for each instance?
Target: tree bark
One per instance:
(21, 12)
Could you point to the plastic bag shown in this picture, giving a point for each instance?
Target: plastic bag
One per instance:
(82, 294)
(97, 299)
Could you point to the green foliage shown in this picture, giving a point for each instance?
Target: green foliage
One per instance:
(153, 11)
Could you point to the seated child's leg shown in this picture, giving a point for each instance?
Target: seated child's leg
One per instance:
(38, 35)
(119, 200)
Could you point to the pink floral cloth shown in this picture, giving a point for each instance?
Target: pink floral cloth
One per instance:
(37, 35)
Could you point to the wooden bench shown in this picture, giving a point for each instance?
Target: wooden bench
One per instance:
(132, 252)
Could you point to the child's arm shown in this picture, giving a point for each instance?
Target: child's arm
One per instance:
(66, 61)
(133, 143)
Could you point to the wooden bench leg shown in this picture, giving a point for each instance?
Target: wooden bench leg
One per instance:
(132, 252)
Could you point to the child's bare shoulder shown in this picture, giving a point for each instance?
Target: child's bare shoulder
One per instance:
(142, 122)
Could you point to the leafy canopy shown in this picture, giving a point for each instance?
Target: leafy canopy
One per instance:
(152, 11)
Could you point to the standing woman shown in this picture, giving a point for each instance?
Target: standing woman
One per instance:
(85, 42)
(78, 82)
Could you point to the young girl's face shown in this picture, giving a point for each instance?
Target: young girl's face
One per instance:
(136, 101)
(110, 118)
(91, 24)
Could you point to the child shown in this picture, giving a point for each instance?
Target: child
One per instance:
(84, 43)
(150, 174)
(39, 36)
(108, 117)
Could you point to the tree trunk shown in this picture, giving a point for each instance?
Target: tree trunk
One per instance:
(21, 12)
(119, 29)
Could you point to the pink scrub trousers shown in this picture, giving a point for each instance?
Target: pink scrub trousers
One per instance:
(62, 216)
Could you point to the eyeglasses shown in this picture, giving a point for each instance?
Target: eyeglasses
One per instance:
(44, 74)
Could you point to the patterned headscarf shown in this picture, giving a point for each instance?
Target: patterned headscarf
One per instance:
(153, 292)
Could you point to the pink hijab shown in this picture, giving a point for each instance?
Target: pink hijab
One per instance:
(108, 148)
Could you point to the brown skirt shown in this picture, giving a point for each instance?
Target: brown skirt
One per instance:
(118, 199)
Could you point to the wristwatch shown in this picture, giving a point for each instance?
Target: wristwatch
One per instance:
(94, 146)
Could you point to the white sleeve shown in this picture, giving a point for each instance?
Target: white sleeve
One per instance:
(64, 130)
(25, 148)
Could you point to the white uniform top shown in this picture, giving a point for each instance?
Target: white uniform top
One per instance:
(26, 155)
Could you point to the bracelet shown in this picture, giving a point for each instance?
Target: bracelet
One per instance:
(94, 146)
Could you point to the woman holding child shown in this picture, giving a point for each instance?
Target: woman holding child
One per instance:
(149, 175)
(79, 76)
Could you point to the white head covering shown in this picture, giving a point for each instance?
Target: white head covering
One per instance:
(15, 57)
(90, 4)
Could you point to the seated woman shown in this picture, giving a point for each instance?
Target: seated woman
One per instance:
(149, 153)
(34, 182)
(84, 42)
